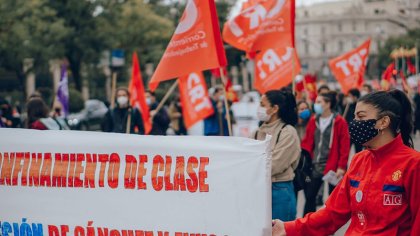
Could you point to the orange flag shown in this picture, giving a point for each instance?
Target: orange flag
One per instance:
(137, 94)
(349, 69)
(274, 68)
(260, 25)
(196, 103)
(195, 46)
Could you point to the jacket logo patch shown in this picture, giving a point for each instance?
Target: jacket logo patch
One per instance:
(392, 199)
(396, 175)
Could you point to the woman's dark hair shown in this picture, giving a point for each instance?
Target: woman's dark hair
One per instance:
(37, 109)
(122, 89)
(302, 102)
(396, 105)
(330, 97)
(287, 104)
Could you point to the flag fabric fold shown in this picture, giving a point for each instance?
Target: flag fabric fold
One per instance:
(349, 69)
(196, 103)
(196, 44)
(260, 25)
(137, 94)
(63, 91)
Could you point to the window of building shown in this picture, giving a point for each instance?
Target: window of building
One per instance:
(306, 45)
(306, 13)
(340, 46)
(340, 27)
(322, 30)
(354, 43)
(305, 31)
(324, 47)
(354, 26)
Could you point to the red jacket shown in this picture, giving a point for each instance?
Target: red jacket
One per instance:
(380, 193)
(339, 146)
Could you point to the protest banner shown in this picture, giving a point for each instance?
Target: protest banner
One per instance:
(65, 183)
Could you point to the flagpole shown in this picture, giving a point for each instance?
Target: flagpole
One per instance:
(128, 125)
(222, 75)
(113, 88)
(167, 95)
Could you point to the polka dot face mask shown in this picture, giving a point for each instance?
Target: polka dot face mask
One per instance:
(362, 131)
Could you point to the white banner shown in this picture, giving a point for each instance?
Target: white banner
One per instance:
(70, 183)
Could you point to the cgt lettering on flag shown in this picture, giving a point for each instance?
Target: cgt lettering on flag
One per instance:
(275, 69)
(196, 103)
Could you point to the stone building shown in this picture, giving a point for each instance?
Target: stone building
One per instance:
(326, 30)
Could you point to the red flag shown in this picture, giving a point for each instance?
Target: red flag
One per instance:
(310, 86)
(274, 68)
(196, 103)
(411, 68)
(137, 94)
(349, 69)
(261, 25)
(195, 46)
(230, 92)
(387, 75)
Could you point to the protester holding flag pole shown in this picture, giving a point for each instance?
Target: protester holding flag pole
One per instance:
(123, 118)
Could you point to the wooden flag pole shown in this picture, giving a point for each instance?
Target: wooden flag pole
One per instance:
(113, 88)
(128, 128)
(293, 74)
(167, 95)
(226, 102)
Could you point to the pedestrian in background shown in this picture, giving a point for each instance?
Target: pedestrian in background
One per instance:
(38, 116)
(351, 101)
(304, 114)
(278, 112)
(117, 118)
(213, 125)
(327, 141)
(177, 125)
(159, 119)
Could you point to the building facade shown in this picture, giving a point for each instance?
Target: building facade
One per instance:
(327, 30)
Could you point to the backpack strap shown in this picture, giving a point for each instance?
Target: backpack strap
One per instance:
(278, 136)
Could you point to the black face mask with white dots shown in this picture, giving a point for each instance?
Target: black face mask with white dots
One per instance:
(362, 131)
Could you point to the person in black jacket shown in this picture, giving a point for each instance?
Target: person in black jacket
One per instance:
(160, 119)
(117, 119)
(352, 97)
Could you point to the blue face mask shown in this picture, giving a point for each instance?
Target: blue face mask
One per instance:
(305, 114)
(318, 109)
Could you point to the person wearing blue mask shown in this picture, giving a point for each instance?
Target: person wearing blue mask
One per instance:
(304, 113)
(327, 141)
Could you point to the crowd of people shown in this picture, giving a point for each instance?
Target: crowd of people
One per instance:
(379, 125)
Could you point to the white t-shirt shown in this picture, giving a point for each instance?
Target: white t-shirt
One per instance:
(325, 122)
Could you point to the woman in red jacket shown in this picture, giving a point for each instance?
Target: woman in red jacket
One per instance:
(380, 191)
(327, 140)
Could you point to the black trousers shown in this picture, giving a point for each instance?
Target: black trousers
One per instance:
(311, 191)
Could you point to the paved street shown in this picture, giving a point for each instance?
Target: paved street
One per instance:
(301, 198)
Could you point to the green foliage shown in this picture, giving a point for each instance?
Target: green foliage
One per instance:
(29, 29)
(408, 41)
